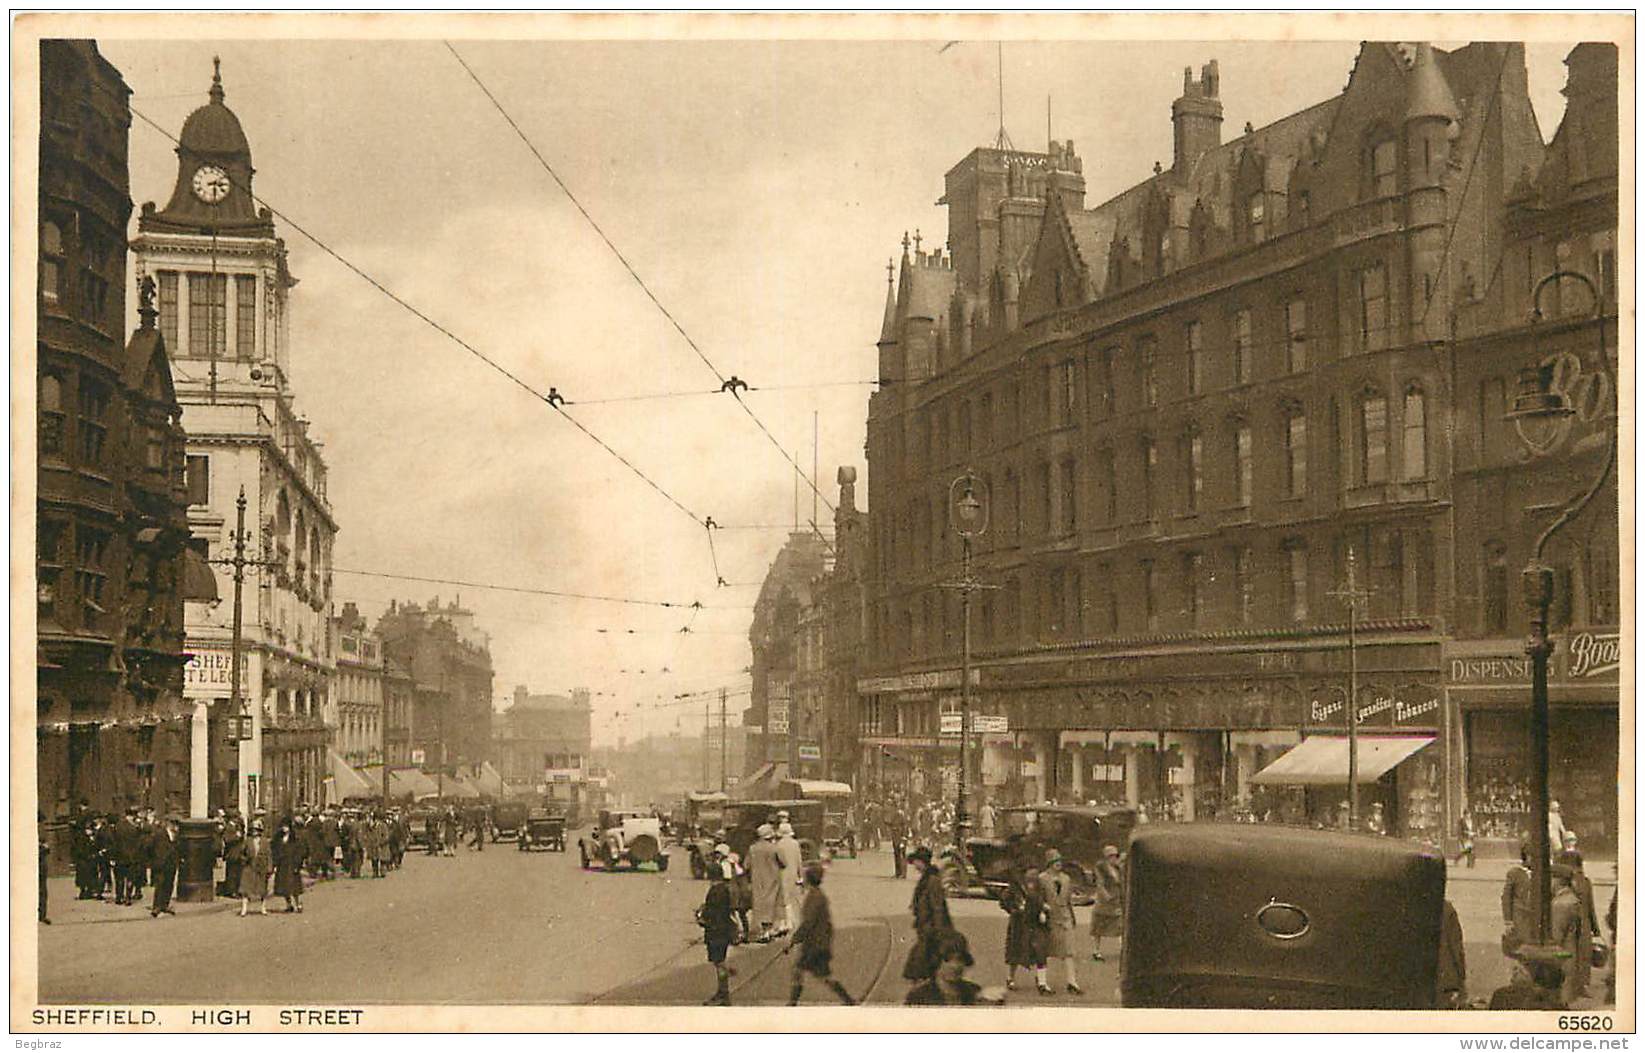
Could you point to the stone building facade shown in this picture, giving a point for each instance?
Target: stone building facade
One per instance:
(773, 639)
(1188, 406)
(111, 559)
(828, 651)
(224, 314)
(357, 692)
(448, 659)
(545, 739)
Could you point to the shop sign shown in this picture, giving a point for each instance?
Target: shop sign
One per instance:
(981, 724)
(1389, 708)
(207, 674)
(776, 716)
(931, 680)
(417, 757)
(1591, 654)
(810, 753)
(1490, 669)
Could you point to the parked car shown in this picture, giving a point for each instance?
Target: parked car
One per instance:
(634, 838)
(1078, 832)
(1225, 916)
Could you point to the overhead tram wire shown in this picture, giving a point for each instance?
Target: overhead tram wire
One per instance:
(558, 593)
(659, 395)
(453, 337)
(727, 384)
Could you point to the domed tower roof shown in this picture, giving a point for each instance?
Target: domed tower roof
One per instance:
(213, 188)
(213, 128)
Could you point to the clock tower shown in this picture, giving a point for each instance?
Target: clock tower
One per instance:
(219, 268)
(223, 287)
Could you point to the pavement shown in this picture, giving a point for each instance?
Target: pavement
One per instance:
(506, 927)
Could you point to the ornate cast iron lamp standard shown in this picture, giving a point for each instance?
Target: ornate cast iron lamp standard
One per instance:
(968, 513)
(1542, 416)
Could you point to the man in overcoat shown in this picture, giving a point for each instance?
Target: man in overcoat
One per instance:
(163, 863)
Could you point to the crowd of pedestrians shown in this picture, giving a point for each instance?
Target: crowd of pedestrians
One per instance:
(118, 857)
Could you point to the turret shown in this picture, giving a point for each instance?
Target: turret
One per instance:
(890, 362)
(1196, 119)
(1430, 123)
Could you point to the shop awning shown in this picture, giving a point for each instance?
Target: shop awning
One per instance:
(199, 580)
(762, 784)
(1323, 760)
(455, 786)
(822, 788)
(489, 780)
(349, 782)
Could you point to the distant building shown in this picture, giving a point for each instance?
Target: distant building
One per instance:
(223, 284)
(660, 769)
(357, 692)
(544, 740)
(112, 565)
(399, 696)
(449, 660)
(772, 637)
(828, 651)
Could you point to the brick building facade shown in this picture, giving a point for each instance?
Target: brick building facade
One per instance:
(112, 565)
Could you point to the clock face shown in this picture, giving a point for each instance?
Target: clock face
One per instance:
(211, 184)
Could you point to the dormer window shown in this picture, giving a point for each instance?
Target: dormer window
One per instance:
(1256, 213)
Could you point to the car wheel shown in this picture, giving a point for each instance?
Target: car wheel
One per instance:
(662, 864)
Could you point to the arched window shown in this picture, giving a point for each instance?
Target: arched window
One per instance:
(1384, 168)
(51, 414)
(1494, 587)
(1192, 455)
(1414, 449)
(1256, 214)
(1373, 438)
(1241, 449)
(1295, 438)
(51, 261)
(1603, 577)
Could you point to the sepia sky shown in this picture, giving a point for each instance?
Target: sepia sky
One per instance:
(758, 187)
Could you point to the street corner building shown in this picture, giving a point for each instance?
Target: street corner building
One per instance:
(223, 286)
(113, 564)
(1243, 427)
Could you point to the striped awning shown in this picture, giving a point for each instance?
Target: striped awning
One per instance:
(1322, 760)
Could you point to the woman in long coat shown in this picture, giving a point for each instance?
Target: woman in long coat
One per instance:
(1058, 891)
(765, 869)
(287, 852)
(1026, 934)
(930, 909)
(255, 865)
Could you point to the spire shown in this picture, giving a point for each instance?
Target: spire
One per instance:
(217, 80)
(888, 328)
(1427, 93)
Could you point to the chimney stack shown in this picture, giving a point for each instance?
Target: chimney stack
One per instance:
(1196, 118)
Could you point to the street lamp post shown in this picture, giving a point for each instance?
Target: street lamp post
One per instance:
(1538, 404)
(969, 515)
(1353, 596)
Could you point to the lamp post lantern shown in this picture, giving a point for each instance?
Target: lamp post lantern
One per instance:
(968, 513)
(1542, 417)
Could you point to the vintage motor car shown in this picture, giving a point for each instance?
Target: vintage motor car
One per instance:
(701, 821)
(1222, 916)
(742, 818)
(508, 818)
(634, 838)
(1023, 835)
(543, 828)
(839, 835)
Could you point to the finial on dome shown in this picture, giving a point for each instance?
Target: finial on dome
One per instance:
(216, 79)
